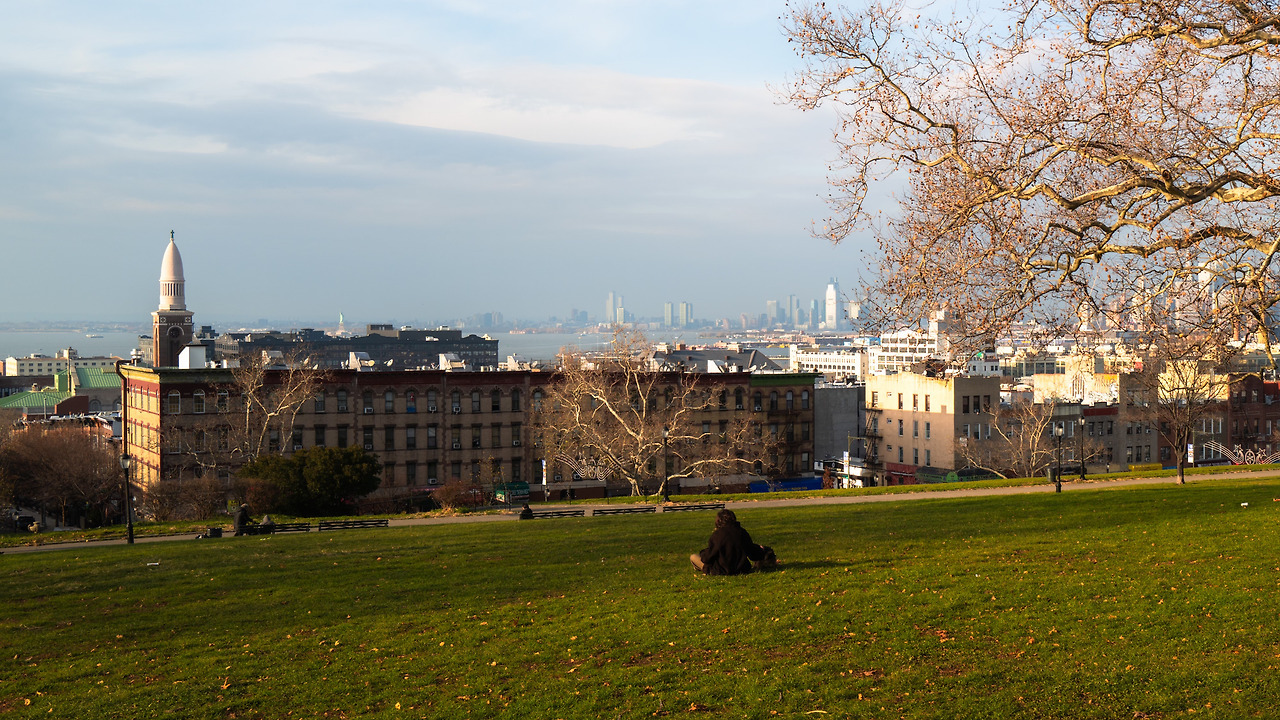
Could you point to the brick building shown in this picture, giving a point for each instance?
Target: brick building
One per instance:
(426, 426)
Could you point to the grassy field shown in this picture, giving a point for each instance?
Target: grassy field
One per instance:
(1144, 602)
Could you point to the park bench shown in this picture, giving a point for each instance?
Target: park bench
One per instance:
(539, 514)
(697, 506)
(292, 527)
(624, 510)
(350, 524)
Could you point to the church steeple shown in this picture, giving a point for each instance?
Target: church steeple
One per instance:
(172, 284)
(171, 323)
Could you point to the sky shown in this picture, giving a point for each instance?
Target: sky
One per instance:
(401, 160)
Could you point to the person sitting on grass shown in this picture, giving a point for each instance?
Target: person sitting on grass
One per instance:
(730, 550)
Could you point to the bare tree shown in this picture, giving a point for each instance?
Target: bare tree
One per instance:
(1183, 389)
(1063, 162)
(616, 416)
(250, 416)
(64, 465)
(1021, 443)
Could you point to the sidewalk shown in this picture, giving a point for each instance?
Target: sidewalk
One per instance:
(737, 505)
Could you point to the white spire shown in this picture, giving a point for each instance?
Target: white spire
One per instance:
(172, 284)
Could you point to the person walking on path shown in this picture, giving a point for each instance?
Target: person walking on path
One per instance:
(241, 519)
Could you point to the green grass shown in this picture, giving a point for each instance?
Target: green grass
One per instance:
(1151, 601)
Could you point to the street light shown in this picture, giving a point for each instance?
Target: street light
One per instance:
(1082, 447)
(128, 502)
(1057, 473)
(666, 476)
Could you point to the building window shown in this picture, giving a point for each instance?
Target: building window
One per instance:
(737, 398)
(342, 436)
(915, 428)
(433, 439)
(928, 457)
(915, 401)
(367, 436)
(516, 437)
(773, 400)
(495, 401)
(368, 401)
(342, 401)
(389, 473)
(495, 435)
(928, 429)
(389, 401)
(431, 401)
(515, 400)
(515, 470)
(804, 401)
(173, 403)
(756, 402)
(899, 427)
(475, 401)
(389, 437)
(319, 436)
(223, 396)
(273, 440)
(411, 473)
(915, 456)
(475, 436)
(455, 470)
(791, 400)
(197, 402)
(926, 403)
(899, 453)
(875, 398)
(319, 401)
(964, 404)
(455, 402)
(411, 437)
(537, 400)
(411, 401)
(433, 472)
(804, 432)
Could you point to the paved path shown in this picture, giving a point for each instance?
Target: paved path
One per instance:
(1068, 486)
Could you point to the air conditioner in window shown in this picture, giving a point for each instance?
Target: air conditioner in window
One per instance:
(368, 446)
(368, 411)
(457, 409)
(515, 443)
(457, 446)
(431, 408)
(432, 481)
(297, 447)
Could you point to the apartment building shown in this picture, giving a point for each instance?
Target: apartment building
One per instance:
(915, 421)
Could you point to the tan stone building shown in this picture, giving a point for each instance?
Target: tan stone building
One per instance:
(914, 421)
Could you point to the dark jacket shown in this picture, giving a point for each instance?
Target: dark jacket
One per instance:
(730, 551)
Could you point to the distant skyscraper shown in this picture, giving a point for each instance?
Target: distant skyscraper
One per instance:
(609, 308)
(793, 311)
(668, 314)
(815, 315)
(686, 314)
(771, 310)
(833, 321)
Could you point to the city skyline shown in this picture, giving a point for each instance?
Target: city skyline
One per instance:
(427, 161)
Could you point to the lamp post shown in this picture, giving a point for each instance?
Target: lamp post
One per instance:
(1082, 458)
(666, 476)
(128, 499)
(1057, 473)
